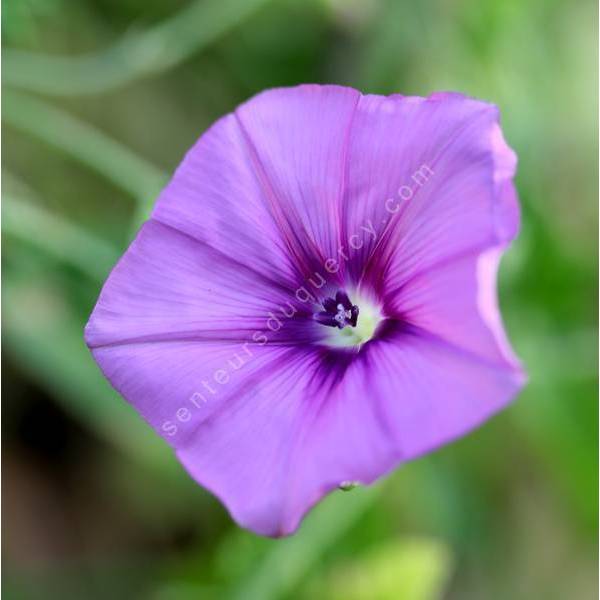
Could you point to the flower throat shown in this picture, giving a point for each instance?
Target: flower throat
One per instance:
(351, 324)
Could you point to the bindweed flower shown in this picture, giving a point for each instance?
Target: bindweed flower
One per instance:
(313, 300)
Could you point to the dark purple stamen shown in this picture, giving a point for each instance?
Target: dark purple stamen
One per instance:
(339, 312)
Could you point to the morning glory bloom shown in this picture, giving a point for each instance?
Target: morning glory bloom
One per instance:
(313, 300)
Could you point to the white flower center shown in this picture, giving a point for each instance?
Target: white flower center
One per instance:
(369, 318)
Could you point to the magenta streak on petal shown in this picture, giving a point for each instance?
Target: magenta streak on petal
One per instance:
(302, 134)
(302, 249)
(398, 165)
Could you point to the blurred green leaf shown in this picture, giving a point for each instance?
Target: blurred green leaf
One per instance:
(84, 143)
(134, 56)
(407, 569)
(290, 559)
(19, 16)
(66, 241)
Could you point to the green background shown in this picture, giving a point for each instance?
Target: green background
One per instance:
(101, 100)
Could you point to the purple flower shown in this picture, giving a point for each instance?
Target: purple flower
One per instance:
(313, 301)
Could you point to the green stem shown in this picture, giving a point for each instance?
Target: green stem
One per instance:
(133, 57)
(66, 241)
(283, 568)
(85, 143)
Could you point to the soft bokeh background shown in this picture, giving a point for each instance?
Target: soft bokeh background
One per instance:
(101, 100)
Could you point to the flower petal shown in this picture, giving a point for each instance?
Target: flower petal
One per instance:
(427, 391)
(216, 197)
(401, 398)
(169, 286)
(310, 425)
(178, 387)
(236, 431)
(299, 137)
(429, 174)
(457, 302)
